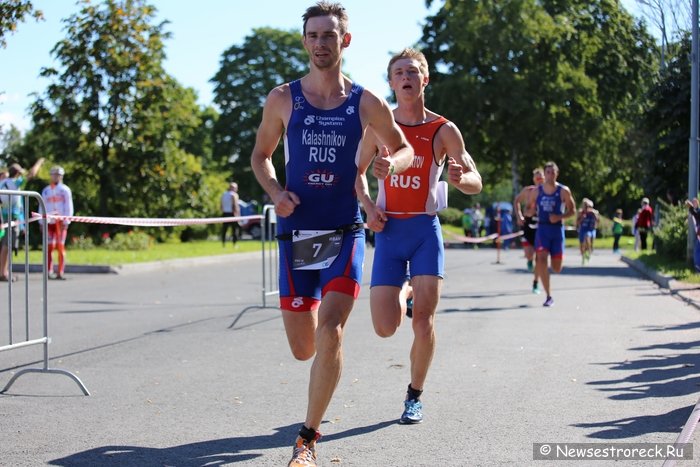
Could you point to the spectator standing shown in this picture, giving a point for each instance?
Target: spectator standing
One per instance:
(467, 222)
(12, 211)
(693, 208)
(645, 222)
(230, 208)
(617, 229)
(58, 199)
(478, 221)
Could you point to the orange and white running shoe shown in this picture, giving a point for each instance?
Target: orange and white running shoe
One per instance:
(304, 454)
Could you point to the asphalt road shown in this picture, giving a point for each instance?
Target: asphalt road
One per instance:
(614, 361)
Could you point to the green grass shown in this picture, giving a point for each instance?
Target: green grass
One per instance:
(679, 269)
(158, 252)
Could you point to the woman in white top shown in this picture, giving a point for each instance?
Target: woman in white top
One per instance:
(59, 201)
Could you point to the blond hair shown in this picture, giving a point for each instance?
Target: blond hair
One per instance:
(412, 53)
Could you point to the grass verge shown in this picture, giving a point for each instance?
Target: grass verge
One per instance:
(158, 252)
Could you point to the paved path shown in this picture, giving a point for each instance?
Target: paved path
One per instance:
(616, 360)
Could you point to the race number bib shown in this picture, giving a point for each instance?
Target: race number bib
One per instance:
(315, 249)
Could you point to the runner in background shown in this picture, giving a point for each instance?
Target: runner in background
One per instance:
(586, 223)
(526, 214)
(554, 204)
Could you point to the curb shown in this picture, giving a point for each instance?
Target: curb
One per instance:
(689, 293)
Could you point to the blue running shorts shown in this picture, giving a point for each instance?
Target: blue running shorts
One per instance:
(302, 290)
(550, 238)
(414, 240)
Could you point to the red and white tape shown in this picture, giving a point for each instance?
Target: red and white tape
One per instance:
(144, 221)
(487, 238)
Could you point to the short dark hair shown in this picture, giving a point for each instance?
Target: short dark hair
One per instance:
(325, 8)
(552, 165)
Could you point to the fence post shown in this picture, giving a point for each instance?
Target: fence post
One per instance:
(7, 197)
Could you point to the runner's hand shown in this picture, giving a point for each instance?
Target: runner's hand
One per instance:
(382, 164)
(376, 219)
(285, 203)
(454, 171)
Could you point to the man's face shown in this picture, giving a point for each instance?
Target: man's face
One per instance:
(323, 41)
(406, 78)
(550, 175)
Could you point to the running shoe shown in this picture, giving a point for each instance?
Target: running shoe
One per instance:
(413, 412)
(536, 289)
(548, 302)
(409, 307)
(304, 454)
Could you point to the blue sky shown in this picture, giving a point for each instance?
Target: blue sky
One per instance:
(201, 33)
(202, 30)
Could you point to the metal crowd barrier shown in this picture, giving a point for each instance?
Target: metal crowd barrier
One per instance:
(270, 255)
(270, 261)
(27, 334)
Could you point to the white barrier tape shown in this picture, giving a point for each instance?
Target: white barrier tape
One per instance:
(462, 238)
(144, 221)
(14, 223)
(487, 238)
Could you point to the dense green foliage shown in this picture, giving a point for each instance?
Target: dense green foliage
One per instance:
(671, 235)
(529, 81)
(266, 59)
(116, 118)
(667, 125)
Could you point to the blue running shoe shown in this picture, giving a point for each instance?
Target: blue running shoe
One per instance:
(413, 413)
(548, 302)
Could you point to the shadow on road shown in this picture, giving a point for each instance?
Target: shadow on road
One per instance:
(651, 376)
(212, 452)
(671, 422)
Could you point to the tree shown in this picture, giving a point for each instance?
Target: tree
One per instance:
(530, 81)
(667, 121)
(119, 120)
(13, 12)
(241, 85)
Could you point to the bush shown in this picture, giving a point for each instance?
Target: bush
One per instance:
(450, 216)
(672, 234)
(82, 242)
(194, 232)
(130, 241)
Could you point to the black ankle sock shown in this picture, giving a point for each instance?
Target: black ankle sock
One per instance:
(307, 433)
(413, 394)
(534, 283)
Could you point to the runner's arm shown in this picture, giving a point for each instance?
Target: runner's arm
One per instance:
(516, 206)
(375, 111)
(569, 203)
(268, 136)
(368, 150)
(461, 168)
